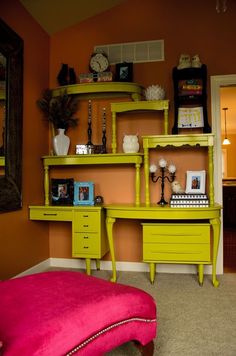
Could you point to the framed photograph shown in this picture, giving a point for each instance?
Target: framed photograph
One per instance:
(124, 72)
(83, 193)
(62, 191)
(196, 182)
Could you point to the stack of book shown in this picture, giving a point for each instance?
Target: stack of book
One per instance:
(189, 201)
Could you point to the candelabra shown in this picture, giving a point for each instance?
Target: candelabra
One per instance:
(163, 168)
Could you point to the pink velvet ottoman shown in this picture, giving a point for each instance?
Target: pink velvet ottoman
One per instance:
(68, 313)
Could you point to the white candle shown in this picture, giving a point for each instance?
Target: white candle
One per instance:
(172, 168)
(153, 168)
(162, 163)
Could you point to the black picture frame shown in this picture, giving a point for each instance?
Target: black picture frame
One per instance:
(124, 72)
(62, 191)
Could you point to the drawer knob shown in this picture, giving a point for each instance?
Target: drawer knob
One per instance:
(85, 237)
(85, 225)
(85, 246)
(85, 216)
(50, 214)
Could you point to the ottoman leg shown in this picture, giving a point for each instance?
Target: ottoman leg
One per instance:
(147, 350)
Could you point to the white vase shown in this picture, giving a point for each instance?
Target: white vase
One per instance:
(61, 143)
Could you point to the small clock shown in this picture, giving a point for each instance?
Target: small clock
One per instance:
(99, 62)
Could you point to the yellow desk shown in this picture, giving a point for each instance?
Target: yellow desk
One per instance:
(169, 215)
(88, 229)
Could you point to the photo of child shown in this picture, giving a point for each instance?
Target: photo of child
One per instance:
(196, 182)
(83, 193)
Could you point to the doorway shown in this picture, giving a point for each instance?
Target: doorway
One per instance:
(228, 129)
(217, 83)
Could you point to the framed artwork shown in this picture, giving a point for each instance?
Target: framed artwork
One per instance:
(190, 117)
(83, 193)
(62, 191)
(124, 72)
(196, 182)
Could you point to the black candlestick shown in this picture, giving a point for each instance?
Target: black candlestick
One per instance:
(89, 143)
(104, 139)
(162, 177)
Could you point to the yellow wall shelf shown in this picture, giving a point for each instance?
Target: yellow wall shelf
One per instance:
(102, 89)
(93, 159)
(137, 106)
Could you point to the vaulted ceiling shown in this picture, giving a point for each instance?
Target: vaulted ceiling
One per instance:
(56, 15)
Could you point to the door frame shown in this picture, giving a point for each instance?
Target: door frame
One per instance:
(217, 82)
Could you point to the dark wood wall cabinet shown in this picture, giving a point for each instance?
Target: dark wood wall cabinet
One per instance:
(190, 99)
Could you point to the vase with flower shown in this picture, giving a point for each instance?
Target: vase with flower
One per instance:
(60, 112)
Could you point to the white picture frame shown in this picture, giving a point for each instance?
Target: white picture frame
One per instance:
(196, 182)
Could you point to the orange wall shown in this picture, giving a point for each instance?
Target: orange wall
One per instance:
(185, 29)
(24, 243)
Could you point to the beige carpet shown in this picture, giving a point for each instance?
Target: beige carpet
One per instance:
(193, 320)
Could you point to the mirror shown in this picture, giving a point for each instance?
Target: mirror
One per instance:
(11, 48)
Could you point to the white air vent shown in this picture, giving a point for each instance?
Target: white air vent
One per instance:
(135, 52)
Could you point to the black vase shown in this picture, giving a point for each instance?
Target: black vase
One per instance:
(62, 76)
(72, 76)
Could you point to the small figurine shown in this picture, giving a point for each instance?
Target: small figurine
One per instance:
(196, 63)
(184, 61)
(176, 187)
(130, 144)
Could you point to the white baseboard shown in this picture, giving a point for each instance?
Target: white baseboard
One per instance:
(106, 265)
(128, 266)
(40, 267)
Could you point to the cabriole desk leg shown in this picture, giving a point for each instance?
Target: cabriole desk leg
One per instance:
(215, 223)
(109, 225)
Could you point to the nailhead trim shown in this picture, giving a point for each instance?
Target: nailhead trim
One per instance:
(77, 348)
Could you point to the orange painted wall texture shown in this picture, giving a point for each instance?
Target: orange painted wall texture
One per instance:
(25, 243)
(185, 28)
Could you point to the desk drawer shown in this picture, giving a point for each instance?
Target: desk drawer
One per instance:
(55, 214)
(86, 244)
(176, 233)
(176, 252)
(176, 242)
(86, 221)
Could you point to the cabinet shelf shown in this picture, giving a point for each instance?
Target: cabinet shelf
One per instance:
(102, 90)
(194, 140)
